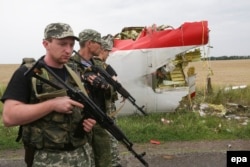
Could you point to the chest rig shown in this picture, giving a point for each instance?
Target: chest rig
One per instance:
(56, 130)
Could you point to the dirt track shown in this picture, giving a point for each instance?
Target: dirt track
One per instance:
(169, 154)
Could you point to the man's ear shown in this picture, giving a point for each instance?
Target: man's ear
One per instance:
(45, 43)
(88, 43)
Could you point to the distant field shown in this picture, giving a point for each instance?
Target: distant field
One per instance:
(225, 73)
(6, 71)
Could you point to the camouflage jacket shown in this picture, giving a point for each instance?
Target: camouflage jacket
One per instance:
(56, 130)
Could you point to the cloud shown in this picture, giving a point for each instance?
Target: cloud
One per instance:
(23, 22)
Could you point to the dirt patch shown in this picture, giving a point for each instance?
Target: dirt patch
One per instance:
(178, 154)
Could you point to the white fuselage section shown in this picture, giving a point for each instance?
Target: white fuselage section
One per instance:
(135, 69)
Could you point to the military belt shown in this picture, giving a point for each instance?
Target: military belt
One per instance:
(67, 147)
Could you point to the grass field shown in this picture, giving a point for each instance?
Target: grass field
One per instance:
(225, 73)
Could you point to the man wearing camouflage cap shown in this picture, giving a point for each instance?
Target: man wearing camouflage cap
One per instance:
(90, 45)
(106, 48)
(58, 31)
(48, 117)
(100, 60)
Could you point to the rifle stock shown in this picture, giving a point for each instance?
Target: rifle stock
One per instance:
(90, 108)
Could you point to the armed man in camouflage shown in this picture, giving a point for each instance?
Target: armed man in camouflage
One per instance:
(100, 61)
(48, 116)
(98, 89)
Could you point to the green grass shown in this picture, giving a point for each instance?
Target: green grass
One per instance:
(8, 135)
(185, 124)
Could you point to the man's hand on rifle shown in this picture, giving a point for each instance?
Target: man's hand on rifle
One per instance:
(88, 124)
(96, 80)
(64, 104)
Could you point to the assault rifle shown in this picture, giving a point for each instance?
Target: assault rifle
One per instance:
(117, 86)
(90, 109)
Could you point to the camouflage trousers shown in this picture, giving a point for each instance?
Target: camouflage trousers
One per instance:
(105, 148)
(100, 143)
(76, 158)
(116, 161)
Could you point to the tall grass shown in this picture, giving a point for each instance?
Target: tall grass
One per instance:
(2, 89)
(8, 135)
(223, 95)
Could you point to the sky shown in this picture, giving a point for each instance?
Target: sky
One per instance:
(23, 21)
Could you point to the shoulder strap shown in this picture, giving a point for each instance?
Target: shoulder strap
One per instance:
(60, 92)
(76, 79)
(28, 61)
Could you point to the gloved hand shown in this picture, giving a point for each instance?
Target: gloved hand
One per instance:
(95, 80)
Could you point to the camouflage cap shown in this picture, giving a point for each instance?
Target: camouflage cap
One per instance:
(59, 31)
(90, 34)
(106, 45)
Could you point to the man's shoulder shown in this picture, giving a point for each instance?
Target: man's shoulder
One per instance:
(22, 69)
(75, 57)
(99, 62)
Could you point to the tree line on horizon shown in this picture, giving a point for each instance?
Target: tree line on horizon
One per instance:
(227, 57)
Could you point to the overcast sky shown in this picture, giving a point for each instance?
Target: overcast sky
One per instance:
(23, 21)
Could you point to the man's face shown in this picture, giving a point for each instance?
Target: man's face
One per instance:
(60, 50)
(95, 48)
(105, 54)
